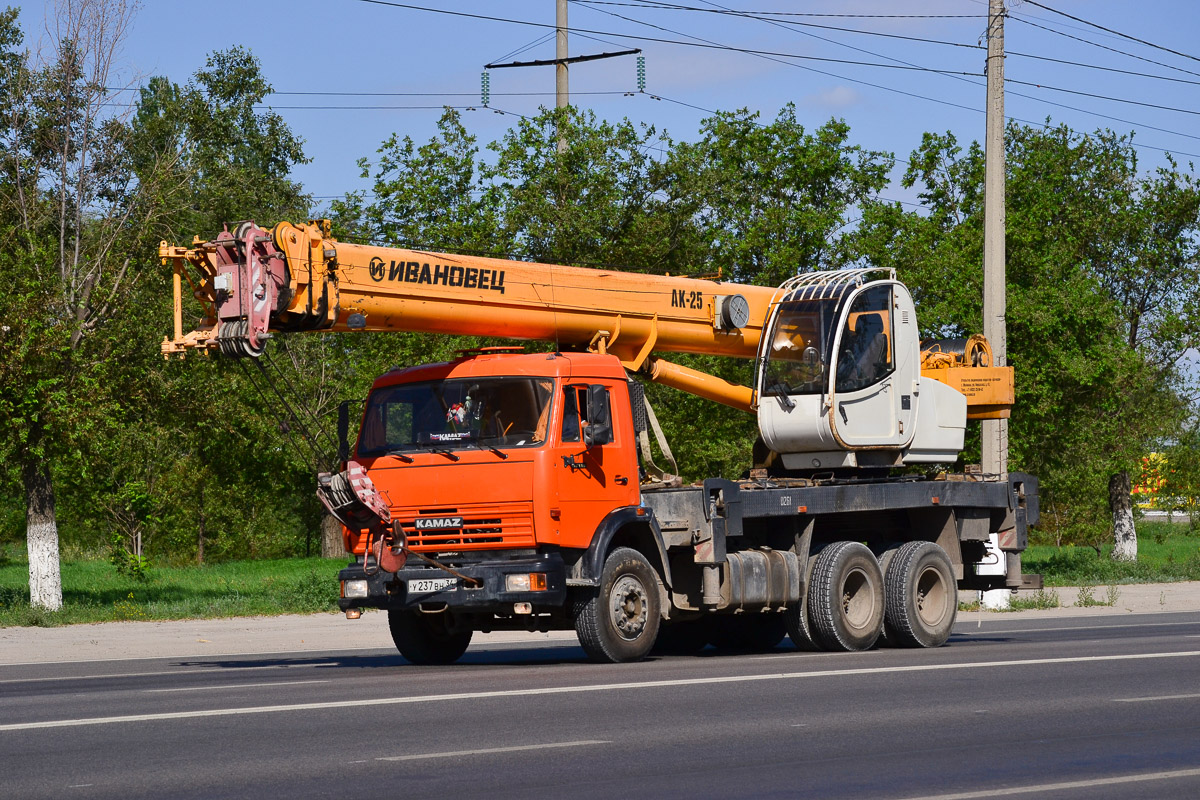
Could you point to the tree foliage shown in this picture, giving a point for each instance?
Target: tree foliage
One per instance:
(1101, 263)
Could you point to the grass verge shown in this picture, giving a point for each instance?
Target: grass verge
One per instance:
(94, 592)
(1167, 552)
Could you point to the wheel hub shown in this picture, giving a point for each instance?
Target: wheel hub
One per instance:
(627, 605)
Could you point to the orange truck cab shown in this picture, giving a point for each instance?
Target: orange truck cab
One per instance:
(506, 465)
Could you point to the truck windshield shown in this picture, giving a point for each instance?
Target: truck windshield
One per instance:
(798, 358)
(453, 414)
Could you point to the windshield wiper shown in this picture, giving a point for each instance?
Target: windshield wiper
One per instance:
(493, 448)
(405, 457)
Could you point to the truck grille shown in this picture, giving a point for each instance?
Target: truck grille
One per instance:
(484, 527)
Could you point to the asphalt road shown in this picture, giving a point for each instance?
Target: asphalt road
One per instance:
(1065, 707)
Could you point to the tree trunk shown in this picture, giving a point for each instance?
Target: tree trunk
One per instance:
(1124, 536)
(45, 578)
(331, 538)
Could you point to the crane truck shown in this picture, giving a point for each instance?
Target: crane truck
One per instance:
(506, 490)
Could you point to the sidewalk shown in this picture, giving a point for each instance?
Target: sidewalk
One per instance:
(323, 632)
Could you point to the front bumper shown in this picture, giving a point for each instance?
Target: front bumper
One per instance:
(391, 589)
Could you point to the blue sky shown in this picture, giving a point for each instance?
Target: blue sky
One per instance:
(356, 46)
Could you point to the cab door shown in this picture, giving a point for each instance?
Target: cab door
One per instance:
(592, 479)
(874, 371)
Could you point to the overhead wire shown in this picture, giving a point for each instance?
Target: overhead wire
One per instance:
(946, 102)
(1022, 19)
(1113, 32)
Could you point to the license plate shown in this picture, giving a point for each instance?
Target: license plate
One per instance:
(427, 585)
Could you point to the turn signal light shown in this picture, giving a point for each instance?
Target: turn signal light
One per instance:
(525, 582)
(354, 588)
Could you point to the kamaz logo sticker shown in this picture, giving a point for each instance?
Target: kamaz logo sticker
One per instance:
(438, 523)
(438, 274)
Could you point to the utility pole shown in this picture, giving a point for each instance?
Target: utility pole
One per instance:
(995, 431)
(560, 62)
(562, 95)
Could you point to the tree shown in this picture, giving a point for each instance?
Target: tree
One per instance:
(234, 163)
(772, 199)
(71, 206)
(1101, 284)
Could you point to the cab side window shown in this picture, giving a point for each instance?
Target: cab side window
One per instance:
(574, 411)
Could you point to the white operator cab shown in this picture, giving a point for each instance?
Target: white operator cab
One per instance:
(839, 377)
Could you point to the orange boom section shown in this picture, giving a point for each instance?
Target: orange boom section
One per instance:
(295, 277)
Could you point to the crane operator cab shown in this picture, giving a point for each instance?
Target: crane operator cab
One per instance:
(839, 377)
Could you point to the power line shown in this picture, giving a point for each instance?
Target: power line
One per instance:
(772, 17)
(1104, 97)
(1020, 18)
(651, 5)
(1113, 32)
(701, 44)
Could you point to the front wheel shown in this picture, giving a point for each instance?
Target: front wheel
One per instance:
(427, 639)
(620, 621)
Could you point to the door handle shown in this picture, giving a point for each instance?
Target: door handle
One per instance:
(621, 479)
(842, 408)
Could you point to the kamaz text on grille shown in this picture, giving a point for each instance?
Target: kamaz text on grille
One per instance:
(438, 274)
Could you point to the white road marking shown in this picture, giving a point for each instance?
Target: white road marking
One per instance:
(1151, 699)
(1064, 786)
(80, 785)
(603, 687)
(513, 749)
(230, 686)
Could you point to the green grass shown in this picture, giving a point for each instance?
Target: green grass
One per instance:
(94, 592)
(1040, 600)
(1166, 552)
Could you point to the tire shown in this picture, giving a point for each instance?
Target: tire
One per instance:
(681, 638)
(886, 637)
(845, 600)
(426, 639)
(796, 618)
(620, 621)
(921, 596)
(743, 633)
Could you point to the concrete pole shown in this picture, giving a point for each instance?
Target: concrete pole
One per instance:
(562, 98)
(995, 431)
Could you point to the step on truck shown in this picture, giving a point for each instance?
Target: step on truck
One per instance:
(507, 490)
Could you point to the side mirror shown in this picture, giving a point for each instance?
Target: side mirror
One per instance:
(598, 430)
(343, 430)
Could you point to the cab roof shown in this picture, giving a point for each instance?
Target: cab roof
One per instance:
(490, 364)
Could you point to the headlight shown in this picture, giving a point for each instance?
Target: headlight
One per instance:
(354, 588)
(525, 582)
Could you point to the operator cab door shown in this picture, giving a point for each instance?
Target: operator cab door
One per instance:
(875, 368)
(594, 459)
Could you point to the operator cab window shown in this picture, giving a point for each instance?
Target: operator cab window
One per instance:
(865, 350)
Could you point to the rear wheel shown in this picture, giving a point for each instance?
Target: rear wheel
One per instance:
(620, 621)
(921, 596)
(796, 617)
(846, 597)
(427, 639)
